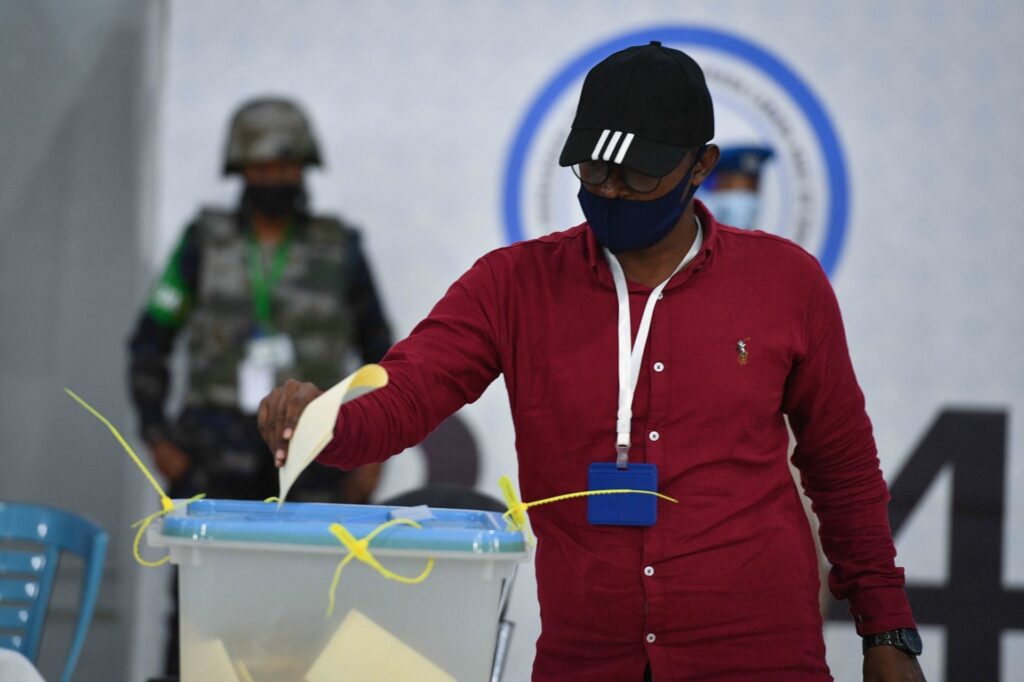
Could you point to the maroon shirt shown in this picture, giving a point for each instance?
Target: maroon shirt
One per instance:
(725, 584)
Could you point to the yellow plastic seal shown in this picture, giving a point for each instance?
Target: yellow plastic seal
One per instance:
(360, 549)
(166, 503)
(143, 524)
(516, 514)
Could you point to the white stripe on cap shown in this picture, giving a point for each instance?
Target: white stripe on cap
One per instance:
(625, 146)
(611, 145)
(600, 143)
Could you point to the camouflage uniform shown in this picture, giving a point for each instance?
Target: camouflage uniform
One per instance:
(325, 301)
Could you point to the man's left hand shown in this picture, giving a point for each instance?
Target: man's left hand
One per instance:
(885, 663)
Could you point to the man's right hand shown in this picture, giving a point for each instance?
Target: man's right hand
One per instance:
(279, 413)
(170, 460)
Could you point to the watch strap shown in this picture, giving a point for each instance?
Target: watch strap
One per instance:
(897, 638)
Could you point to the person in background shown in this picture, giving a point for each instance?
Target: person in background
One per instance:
(654, 348)
(264, 292)
(732, 191)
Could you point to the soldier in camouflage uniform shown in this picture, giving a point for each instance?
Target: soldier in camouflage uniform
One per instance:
(265, 293)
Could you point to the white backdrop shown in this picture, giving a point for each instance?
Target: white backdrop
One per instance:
(418, 104)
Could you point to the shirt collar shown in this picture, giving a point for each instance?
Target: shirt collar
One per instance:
(709, 231)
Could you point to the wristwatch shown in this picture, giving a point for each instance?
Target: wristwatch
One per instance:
(904, 639)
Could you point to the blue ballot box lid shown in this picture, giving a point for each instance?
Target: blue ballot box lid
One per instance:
(301, 523)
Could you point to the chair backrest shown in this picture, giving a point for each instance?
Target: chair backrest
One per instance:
(446, 496)
(32, 538)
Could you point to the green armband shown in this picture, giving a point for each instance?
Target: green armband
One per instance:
(170, 300)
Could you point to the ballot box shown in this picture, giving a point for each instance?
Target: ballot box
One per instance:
(255, 578)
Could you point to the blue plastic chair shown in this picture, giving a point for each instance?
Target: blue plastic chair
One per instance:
(32, 538)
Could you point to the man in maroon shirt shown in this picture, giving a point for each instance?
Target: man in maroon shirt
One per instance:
(653, 348)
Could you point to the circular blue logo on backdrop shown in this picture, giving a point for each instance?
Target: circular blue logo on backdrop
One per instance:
(797, 188)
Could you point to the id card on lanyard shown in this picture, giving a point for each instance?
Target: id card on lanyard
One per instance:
(629, 509)
(266, 351)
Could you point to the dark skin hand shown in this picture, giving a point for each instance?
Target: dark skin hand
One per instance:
(170, 460)
(888, 664)
(279, 413)
(277, 416)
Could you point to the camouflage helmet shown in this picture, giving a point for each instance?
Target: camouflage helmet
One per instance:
(269, 129)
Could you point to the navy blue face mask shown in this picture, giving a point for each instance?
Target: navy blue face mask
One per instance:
(627, 224)
(275, 201)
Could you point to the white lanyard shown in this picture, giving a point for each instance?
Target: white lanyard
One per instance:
(629, 362)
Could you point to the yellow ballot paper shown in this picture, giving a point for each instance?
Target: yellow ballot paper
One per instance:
(363, 650)
(209, 660)
(316, 424)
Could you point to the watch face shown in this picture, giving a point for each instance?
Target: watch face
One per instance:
(912, 641)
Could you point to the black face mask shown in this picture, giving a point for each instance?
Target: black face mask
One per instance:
(274, 200)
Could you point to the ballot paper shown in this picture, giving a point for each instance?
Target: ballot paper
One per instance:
(316, 424)
(362, 650)
(209, 660)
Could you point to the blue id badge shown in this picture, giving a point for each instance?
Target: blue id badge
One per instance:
(622, 509)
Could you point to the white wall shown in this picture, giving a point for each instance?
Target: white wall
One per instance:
(74, 89)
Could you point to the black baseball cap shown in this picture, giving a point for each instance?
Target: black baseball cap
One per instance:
(643, 107)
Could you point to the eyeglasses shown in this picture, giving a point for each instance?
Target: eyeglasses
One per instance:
(596, 172)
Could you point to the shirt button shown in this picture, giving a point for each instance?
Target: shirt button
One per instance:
(659, 367)
(649, 570)
(654, 435)
(651, 638)
(661, 295)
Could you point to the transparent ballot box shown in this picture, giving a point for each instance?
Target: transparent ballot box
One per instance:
(255, 579)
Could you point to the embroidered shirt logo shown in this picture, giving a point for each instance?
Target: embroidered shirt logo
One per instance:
(742, 356)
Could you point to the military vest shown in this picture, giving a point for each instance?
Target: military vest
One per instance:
(309, 303)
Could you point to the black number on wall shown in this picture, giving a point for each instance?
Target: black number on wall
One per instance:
(974, 607)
